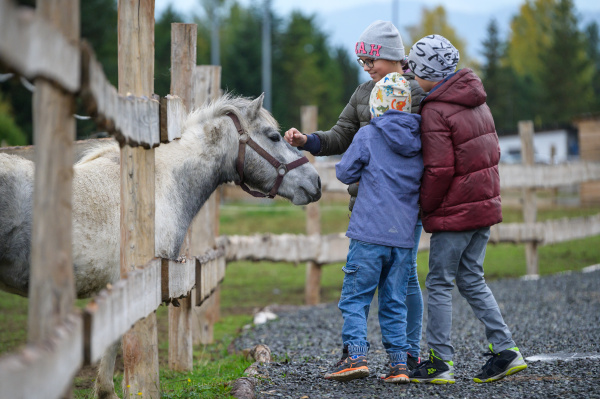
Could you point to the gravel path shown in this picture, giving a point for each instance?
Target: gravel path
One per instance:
(557, 314)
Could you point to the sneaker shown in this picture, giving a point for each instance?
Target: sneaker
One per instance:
(412, 362)
(349, 368)
(433, 371)
(499, 365)
(398, 374)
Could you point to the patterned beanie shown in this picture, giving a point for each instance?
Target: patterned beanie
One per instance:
(381, 39)
(391, 92)
(433, 58)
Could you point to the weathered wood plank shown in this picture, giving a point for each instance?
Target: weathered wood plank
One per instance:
(136, 77)
(52, 281)
(333, 248)
(511, 176)
(183, 61)
(44, 370)
(132, 120)
(34, 48)
(205, 226)
(178, 277)
(116, 309)
(172, 118)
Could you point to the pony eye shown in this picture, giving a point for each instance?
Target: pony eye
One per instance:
(275, 137)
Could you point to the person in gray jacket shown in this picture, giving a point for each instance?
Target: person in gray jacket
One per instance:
(380, 51)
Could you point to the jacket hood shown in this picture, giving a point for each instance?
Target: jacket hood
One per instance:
(463, 88)
(401, 131)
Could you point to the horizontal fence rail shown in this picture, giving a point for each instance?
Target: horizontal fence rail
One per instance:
(36, 48)
(333, 248)
(511, 175)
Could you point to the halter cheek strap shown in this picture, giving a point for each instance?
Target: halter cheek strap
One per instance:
(282, 169)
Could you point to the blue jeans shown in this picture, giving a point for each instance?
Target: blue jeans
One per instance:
(458, 256)
(368, 267)
(414, 301)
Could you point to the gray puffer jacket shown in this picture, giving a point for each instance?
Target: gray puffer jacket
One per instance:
(356, 115)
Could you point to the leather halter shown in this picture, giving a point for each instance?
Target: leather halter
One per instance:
(282, 169)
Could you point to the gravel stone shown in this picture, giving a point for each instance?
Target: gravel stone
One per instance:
(554, 314)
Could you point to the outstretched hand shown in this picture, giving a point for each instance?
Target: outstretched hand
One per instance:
(295, 137)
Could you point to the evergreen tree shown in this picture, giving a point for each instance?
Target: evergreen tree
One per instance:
(593, 51)
(435, 20)
(567, 72)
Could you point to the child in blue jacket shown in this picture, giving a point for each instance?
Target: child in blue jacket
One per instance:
(386, 157)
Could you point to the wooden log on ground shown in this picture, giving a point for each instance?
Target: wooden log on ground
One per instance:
(245, 387)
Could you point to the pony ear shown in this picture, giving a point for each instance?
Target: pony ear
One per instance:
(255, 106)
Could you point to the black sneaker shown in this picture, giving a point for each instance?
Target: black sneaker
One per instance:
(349, 368)
(499, 365)
(397, 374)
(433, 371)
(412, 362)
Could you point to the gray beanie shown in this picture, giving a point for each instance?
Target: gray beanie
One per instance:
(433, 58)
(381, 39)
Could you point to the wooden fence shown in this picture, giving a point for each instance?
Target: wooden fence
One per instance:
(45, 46)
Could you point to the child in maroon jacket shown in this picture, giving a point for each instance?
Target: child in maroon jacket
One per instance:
(460, 200)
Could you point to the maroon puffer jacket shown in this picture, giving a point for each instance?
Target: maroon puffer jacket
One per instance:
(460, 189)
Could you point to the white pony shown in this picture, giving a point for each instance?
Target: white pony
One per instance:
(188, 170)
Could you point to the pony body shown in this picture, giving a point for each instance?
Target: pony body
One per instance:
(188, 171)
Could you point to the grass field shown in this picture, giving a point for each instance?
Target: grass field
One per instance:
(249, 286)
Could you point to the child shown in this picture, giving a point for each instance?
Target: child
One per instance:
(380, 51)
(386, 157)
(460, 200)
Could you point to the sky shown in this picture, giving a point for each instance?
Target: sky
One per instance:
(283, 7)
(344, 20)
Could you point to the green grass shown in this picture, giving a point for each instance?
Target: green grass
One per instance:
(249, 286)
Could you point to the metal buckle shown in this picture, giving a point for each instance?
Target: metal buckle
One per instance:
(244, 138)
(282, 170)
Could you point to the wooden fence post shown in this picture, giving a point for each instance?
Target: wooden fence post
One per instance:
(136, 76)
(205, 226)
(312, 287)
(529, 196)
(183, 62)
(52, 282)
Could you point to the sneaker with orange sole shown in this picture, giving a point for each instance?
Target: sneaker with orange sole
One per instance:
(349, 368)
(397, 374)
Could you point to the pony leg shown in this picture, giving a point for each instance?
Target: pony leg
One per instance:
(105, 386)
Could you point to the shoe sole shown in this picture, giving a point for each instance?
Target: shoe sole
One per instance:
(348, 375)
(510, 371)
(514, 367)
(398, 379)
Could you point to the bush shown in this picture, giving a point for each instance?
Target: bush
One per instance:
(10, 134)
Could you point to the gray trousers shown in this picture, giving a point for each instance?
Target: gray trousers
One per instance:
(459, 256)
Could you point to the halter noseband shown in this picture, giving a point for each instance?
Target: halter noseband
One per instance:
(282, 169)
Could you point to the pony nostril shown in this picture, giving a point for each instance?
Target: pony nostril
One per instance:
(319, 181)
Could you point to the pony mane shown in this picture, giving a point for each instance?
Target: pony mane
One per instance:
(227, 103)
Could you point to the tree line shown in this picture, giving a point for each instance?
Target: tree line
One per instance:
(547, 69)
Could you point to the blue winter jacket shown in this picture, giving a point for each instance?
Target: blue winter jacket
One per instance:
(386, 157)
